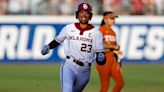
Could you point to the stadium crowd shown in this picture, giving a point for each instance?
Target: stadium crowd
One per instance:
(67, 7)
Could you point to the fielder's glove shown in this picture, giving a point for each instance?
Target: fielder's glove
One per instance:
(45, 50)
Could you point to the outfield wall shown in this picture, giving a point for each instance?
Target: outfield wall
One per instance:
(22, 37)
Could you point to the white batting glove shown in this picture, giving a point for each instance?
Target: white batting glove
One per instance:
(45, 50)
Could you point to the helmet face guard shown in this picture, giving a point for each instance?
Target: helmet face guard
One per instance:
(84, 6)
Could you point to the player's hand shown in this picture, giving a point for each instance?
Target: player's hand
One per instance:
(100, 58)
(118, 56)
(45, 50)
(116, 47)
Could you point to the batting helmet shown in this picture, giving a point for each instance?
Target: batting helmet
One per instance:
(84, 6)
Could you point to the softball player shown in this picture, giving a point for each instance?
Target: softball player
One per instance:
(83, 46)
(112, 68)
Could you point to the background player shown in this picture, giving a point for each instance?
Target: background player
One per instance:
(84, 42)
(112, 68)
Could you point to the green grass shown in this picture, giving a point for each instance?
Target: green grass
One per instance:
(45, 78)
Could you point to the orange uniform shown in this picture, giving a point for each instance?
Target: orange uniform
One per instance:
(111, 69)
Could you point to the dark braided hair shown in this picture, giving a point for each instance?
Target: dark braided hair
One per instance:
(104, 14)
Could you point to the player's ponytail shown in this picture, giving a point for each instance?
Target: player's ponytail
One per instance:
(102, 22)
(104, 14)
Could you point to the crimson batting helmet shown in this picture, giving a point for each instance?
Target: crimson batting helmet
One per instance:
(84, 6)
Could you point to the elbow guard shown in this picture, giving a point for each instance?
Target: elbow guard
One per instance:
(100, 58)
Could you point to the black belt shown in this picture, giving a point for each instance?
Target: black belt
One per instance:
(78, 62)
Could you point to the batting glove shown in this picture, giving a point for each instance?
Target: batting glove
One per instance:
(101, 58)
(45, 50)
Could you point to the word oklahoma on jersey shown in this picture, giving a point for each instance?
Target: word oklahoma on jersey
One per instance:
(86, 39)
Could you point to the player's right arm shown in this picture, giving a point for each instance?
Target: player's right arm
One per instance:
(58, 39)
(46, 48)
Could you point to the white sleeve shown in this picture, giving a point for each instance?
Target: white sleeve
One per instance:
(62, 35)
(99, 42)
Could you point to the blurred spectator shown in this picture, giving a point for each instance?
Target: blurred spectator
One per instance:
(33, 6)
(108, 5)
(3, 7)
(137, 7)
(112, 5)
(18, 7)
(47, 7)
(66, 7)
(125, 7)
(101, 7)
(159, 7)
(117, 6)
(95, 5)
(149, 7)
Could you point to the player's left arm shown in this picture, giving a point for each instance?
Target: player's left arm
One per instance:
(117, 52)
(100, 52)
(46, 48)
(53, 44)
(100, 58)
(118, 56)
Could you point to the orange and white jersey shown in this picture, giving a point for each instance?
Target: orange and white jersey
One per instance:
(109, 35)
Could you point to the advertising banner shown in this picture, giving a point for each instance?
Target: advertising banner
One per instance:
(22, 41)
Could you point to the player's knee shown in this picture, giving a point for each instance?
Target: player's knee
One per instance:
(67, 87)
(105, 85)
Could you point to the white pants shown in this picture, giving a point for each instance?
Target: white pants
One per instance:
(73, 77)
